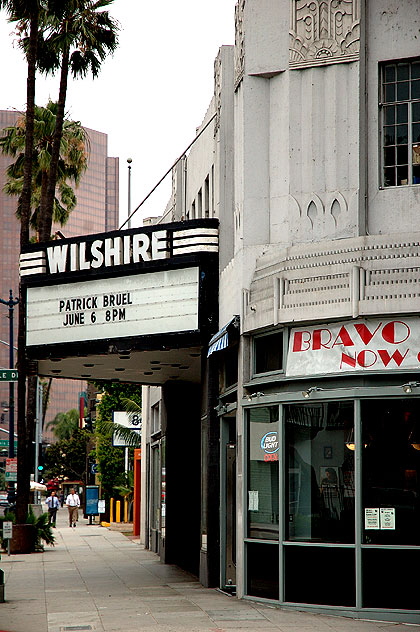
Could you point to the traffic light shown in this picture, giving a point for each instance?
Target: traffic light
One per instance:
(41, 455)
(88, 423)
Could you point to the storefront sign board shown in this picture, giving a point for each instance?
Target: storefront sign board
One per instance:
(362, 345)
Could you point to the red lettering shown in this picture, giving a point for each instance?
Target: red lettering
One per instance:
(343, 338)
(349, 360)
(362, 358)
(390, 332)
(271, 457)
(317, 339)
(299, 341)
(396, 356)
(364, 332)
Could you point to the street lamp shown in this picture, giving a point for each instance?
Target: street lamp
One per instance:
(129, 161)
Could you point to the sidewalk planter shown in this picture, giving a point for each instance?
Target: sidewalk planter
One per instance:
(23, 539)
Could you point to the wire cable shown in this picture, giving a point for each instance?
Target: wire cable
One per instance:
(168, 172)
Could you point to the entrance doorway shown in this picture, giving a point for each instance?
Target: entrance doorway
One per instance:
(229, 503)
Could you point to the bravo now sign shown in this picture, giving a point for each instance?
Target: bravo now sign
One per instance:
(370, 345)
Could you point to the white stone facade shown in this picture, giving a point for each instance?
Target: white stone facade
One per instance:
(310, 230)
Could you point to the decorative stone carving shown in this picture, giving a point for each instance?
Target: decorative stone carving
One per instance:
(239, 42)
(324, 32)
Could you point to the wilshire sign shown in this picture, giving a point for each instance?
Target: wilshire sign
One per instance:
(125, 284)
(123, 248)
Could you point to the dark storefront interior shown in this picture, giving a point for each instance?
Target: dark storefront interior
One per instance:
(349, 534)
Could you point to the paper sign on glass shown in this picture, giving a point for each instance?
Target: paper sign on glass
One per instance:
(387, 518)
(372, 518)
(253, 501)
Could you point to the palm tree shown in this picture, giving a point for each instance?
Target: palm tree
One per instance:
(77, 37)
(131, 438)
(64, 425)
(27, 10)
(72, 162)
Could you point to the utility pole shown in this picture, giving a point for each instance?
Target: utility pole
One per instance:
(11, 304)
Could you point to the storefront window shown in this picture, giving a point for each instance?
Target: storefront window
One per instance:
(263, 473)
(320, 472)
(268, 353)
(391, 471)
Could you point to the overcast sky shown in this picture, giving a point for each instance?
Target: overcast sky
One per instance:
(149, 97)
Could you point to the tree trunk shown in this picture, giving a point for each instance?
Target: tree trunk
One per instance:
(47, 209)
(24, 207)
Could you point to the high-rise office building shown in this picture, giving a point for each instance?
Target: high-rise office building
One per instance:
(96, 211)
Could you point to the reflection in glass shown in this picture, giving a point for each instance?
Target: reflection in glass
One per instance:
(320, 470)
(391, 471)
(263, 473)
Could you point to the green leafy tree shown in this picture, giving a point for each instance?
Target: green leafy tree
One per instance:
(111, 459)
(68, 458)
(64, 425)
(72, 161)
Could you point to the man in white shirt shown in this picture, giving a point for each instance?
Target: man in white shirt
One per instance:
(73, 502)
(52, 503)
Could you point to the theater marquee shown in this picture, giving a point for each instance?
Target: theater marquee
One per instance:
(155, 303)
(152, 289)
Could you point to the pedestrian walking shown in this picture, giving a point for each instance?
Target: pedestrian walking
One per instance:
(73, 502)
(52, 503)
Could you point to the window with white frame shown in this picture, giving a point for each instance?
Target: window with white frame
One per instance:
(155, 418)
(400, 100)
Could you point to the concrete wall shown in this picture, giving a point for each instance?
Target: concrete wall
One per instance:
(393, 34)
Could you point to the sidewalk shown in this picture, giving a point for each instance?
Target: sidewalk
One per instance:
(99, 579)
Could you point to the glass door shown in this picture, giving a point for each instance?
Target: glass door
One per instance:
(390, 503)
(155, 498)
(320, 504)
(262, 545)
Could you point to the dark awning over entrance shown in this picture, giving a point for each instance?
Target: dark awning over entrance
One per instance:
(225, 336)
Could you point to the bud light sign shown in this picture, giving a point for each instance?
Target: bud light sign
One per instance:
(270, 446)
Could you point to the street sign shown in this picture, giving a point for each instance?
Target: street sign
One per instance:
(4, 443)
(7, 530)
(8, 375)
(11, 470)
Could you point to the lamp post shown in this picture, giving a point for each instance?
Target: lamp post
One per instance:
(129, 161)
(11, 304)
